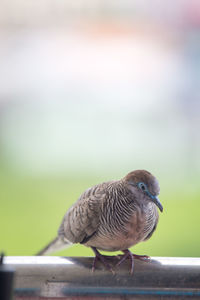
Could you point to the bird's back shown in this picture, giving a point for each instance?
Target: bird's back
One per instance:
(82, 220)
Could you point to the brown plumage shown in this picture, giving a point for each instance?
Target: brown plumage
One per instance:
(112, 216)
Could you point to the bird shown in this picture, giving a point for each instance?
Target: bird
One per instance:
(112, 216)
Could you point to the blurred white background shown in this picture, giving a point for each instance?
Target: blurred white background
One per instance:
(95, 86)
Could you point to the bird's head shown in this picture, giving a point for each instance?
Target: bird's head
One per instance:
(145, 184)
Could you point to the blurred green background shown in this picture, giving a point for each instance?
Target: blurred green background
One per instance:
(90, 92)
(33, 209)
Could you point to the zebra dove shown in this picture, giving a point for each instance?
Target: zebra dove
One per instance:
(112, 216)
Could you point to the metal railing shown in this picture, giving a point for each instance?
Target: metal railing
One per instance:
(54, 277)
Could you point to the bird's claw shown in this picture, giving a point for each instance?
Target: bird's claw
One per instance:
(140, 257)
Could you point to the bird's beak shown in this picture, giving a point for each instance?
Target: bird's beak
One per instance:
(157, 202)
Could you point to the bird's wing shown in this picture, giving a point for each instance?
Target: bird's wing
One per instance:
(81, 221)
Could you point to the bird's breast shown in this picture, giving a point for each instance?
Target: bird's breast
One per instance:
(142, 224)
(136, 229)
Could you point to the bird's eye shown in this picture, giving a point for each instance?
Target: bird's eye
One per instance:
(142, 186)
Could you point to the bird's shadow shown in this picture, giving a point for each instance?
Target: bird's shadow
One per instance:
(86, 262)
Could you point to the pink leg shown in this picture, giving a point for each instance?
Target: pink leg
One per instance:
(127, 254)
(99, 256)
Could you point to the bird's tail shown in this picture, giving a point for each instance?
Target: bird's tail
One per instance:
(55, 245)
